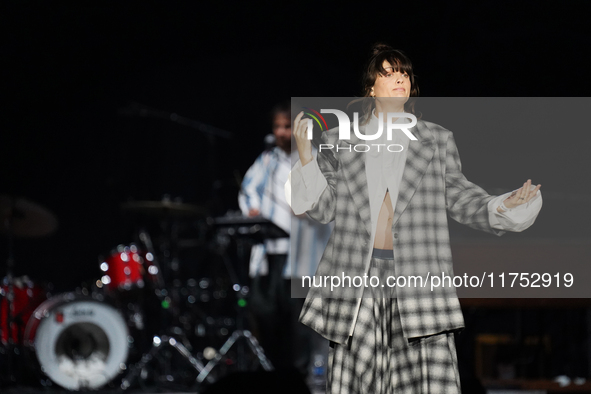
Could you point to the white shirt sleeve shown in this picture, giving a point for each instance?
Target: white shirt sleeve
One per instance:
(516, 219)
(304, 186)
(249, 196)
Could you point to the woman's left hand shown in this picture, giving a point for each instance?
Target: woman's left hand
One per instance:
(522, 195)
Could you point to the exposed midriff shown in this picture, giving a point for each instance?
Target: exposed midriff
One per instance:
(383, 238)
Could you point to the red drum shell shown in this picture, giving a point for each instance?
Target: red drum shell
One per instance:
(27, 297)
(126, 268)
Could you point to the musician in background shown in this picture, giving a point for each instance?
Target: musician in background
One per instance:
(286, 342)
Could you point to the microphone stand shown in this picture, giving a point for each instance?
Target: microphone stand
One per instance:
(211, 132)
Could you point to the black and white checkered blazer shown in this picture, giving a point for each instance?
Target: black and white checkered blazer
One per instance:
(432, 185)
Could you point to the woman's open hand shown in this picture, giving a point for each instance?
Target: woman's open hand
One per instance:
(522, 195)
(300, 132)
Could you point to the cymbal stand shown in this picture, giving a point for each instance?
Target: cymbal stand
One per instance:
(147, 241)
(9, 346)
(160, 341)
(241, 291)
(158, 344)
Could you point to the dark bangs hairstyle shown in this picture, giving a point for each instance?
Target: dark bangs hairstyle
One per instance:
(281, 108)
(400, 62)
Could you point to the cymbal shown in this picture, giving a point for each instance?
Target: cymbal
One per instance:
(27, 219)
(164, 208)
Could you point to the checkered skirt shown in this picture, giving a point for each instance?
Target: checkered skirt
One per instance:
(380, 360)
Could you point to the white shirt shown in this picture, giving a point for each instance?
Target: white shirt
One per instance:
(263, 188)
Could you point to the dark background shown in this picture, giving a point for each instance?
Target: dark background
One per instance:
(71, 68)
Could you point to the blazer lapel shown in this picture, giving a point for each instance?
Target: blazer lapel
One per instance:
(354, 169)
(418, 157)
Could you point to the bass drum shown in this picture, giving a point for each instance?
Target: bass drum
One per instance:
(80, 343)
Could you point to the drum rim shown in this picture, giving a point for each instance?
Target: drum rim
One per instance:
(51, 303)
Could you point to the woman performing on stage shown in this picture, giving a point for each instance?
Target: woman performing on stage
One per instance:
(390, 219)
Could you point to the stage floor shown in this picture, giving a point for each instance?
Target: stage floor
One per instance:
(29, 390)
(153, 390)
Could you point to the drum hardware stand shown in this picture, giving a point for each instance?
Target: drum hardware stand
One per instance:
(157, 345)
(239, 228)
(147, 241)
(10, 347)
(252, 343)
(160, 342)
(240, 332)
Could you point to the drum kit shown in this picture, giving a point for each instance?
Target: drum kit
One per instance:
(140, 323)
